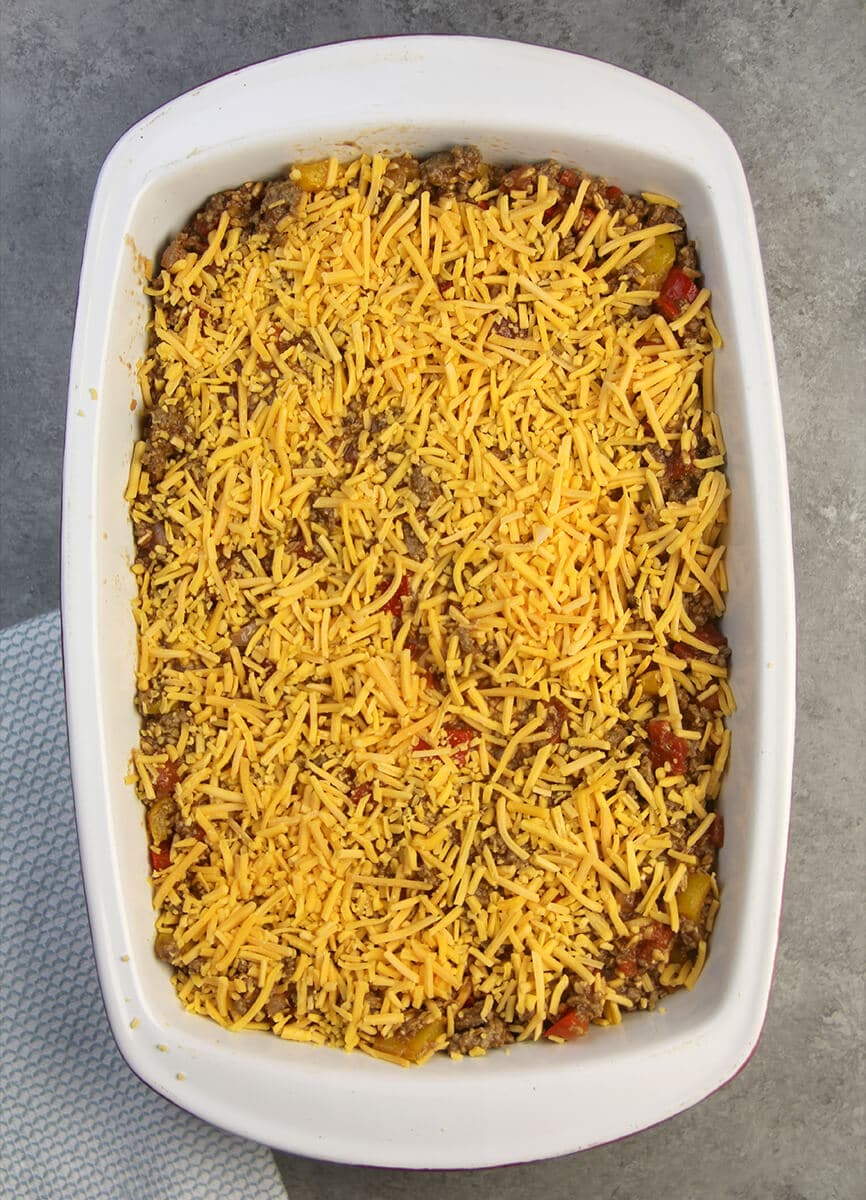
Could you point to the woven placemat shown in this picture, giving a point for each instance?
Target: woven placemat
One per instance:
(76, 1122)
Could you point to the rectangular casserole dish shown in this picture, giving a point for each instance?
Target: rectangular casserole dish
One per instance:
(517, 103)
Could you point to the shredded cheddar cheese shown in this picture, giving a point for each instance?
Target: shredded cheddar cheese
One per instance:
(415, 579)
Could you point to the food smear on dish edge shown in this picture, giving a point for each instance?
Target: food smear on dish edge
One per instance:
(428, 512)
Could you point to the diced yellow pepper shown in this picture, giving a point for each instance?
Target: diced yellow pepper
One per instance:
(311, 177)
(160, 820)
(656, 260)
(417, 1045)
(651, 682)
(690, 901)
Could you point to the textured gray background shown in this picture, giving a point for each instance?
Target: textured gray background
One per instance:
(785, 79)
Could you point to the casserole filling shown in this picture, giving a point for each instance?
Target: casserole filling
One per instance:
(428, 512)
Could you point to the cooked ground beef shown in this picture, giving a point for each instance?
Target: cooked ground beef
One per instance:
(446, 171)
(490, 1036)
(425, 488)
(165, 437)
(663, 214)
(279, 199)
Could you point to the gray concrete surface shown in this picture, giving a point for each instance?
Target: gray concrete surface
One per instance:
(785, 78)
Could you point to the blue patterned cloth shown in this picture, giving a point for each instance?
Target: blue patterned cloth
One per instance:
(75, 1121)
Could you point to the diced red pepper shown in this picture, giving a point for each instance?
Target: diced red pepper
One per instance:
(161, 857)
(676, 294)
(555, 210)
(568, 1027)
(658, 937)
(484, 204)
(710, 634)
(395, 604)
(458, 738)
(678, 466)
(554, 720)
(568, 178)
(714, 702)
(613, 192)
(165, 779)
(665, 747)
(587, 215)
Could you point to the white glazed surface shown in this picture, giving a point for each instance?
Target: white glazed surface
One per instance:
(507, 1107)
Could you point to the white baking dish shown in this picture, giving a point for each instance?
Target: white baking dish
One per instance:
(517, 103)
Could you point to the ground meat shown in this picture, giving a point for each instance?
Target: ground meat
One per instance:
(374, 1000)
(445, 171)
(519, 179)
(149, 536)
(552, 170)
(507, 329)
(469, 1018)
(414, 545)
(243, 636)
(663, 214)
(426, 874)
(687, 257)
(185, 827)
(426, 489)
(583, 999)
(700, 607)
(414, 1023)
(178, 248)
(645, 766)
(503, 856)
(165, 426)
(166, 948)
(696, 330)
(279, 199)
(467, 642)
(160, 731)
(281, 1001)
(633, 206)
(630, 273)
(241, 1003)
(681, 479)
(689, 934)
(490, 1036)
(680, 491)
(238, 202)
(400, 172)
